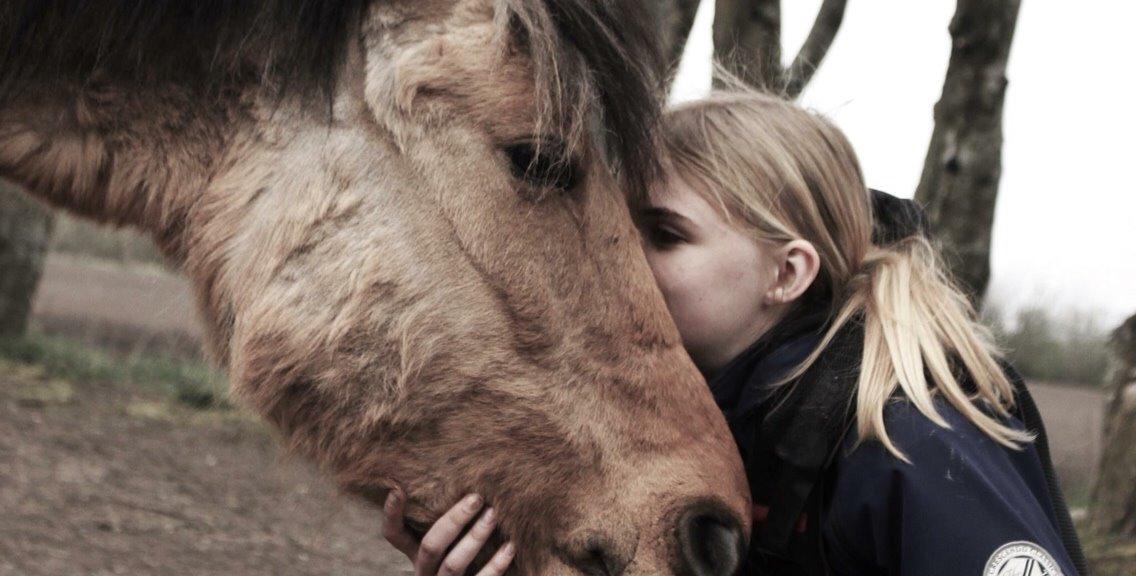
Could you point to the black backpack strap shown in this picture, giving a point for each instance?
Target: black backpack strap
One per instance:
(1028, 413)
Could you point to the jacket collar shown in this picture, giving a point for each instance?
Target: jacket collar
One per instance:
(749, 379)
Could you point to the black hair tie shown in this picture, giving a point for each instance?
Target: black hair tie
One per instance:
(894, 219)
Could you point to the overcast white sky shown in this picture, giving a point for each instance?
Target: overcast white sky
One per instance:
(1065, 227)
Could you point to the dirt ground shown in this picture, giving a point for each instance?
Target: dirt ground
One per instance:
(99, 479)
(1074, 419)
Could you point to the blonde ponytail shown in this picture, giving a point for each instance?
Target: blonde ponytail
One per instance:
(919, 334)
(784, 174)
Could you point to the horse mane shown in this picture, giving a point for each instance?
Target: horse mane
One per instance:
(290, 45)
(596, 61)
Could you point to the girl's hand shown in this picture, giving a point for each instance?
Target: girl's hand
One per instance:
(430, 556)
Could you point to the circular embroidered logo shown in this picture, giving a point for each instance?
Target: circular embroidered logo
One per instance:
(1021, 559)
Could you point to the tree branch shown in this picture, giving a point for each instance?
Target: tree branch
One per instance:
(816, 46)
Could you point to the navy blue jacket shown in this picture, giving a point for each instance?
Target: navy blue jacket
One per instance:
(962, 497)
(948, 511)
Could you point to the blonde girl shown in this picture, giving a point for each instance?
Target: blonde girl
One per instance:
(881, 431)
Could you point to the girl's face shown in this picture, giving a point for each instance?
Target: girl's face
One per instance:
(715, 278)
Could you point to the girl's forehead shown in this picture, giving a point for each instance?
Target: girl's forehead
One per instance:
(676, 193)
(689, 197)
(681, 203)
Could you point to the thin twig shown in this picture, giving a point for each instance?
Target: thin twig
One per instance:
(813, 51)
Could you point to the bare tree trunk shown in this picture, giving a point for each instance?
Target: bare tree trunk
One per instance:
(747, 41)
(959, 185)
(25, 229)
(675, 18)
(1113, 510)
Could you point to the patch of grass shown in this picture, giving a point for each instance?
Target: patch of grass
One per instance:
(1110, 556)
(59, 358)
(190, 382)
(32, 388)
(1082, 497)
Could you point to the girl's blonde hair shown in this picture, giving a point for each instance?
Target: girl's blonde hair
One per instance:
(788, 174)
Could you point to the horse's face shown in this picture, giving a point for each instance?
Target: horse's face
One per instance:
(416, 304)
(413, 308)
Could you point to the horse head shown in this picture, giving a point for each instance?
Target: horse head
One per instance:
(407, 224)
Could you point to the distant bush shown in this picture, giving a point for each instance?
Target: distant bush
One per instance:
(79, 237)
(1045, 344)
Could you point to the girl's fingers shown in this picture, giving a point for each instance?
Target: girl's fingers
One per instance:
(500, 561)
(464, 552)
(394, 530)
(443, 533)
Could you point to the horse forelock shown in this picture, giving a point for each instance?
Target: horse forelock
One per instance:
(597, 71)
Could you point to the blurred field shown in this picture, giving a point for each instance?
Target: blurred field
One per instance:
(74, 235)
(1074, 419)
(129, 307)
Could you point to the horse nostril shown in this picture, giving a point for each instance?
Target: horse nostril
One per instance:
(710, 542)
(595, 556)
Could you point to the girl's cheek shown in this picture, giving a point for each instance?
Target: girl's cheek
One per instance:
(669, 270)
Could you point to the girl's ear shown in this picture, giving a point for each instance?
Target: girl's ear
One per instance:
(798, 264)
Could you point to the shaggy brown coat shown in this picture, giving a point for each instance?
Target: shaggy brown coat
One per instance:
(373, 201)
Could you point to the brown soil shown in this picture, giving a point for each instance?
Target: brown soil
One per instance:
(1074, 419)
(96, 479)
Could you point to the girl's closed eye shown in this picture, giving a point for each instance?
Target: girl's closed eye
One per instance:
(661, 236)
(663, 228)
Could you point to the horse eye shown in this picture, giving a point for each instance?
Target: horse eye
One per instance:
(543, 164)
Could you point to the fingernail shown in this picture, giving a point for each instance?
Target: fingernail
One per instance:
(473, 501)
(508, 549)
(489, 515)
